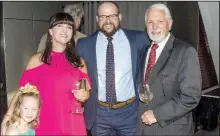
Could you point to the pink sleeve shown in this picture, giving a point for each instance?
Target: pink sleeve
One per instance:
(84, 75)
(29, 76)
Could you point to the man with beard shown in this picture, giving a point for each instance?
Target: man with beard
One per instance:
(171, 69)
(112, 55)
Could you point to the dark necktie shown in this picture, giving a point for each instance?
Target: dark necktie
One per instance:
(151, 61)
(110, 73)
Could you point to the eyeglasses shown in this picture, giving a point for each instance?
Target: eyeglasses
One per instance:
(111, 17)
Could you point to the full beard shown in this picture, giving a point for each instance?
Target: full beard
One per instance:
(111, 33)
(157, 38)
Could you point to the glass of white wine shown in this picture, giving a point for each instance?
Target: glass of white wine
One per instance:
(78, 108)
(145, 94)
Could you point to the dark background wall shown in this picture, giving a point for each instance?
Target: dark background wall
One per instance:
(185, 15)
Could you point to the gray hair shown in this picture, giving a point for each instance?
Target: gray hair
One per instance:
(159, 6)
(75, 10)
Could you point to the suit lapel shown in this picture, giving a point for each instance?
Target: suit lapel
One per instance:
(143, 63)
(161, 60)
(93, 56)
(131, 40)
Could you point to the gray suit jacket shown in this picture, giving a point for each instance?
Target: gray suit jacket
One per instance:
(175, 82)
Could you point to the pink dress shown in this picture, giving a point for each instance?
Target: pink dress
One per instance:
(55, 83)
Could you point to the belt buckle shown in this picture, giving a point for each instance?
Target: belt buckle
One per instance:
(111, 106)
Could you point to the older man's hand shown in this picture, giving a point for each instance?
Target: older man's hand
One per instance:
(148, 117)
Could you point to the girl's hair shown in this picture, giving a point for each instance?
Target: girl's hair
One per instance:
(16, 113)
(70, 51)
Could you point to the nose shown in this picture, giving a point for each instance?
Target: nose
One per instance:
(108, 19)
(65, 29)
(29, 112)
(154, 26)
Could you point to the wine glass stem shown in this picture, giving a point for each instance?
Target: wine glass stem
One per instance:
(77, 104)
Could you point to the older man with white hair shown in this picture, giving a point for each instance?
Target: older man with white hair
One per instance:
(170, 67)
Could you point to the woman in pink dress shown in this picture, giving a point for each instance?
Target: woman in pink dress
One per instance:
(55, 73)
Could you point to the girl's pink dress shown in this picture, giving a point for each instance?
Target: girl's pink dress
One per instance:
(55, 83)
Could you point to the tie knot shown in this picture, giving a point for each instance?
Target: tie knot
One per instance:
(154, 46)
(109, 39)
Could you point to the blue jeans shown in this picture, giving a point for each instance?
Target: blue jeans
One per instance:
(115, 122)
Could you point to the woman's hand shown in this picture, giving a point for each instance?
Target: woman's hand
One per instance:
(81, 95)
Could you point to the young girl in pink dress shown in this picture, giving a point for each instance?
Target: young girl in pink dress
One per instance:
(55, 73)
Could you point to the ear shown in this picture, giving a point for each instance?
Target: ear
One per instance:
(120, 17)
(97, 19)
(77, 22)
(50, 32)
(170, 21)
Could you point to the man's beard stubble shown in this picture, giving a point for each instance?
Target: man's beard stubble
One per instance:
(109, 34)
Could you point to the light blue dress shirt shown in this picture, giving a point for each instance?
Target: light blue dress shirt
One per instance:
(124, 83)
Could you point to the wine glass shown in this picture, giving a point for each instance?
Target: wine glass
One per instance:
(145, 94)
(78, 108)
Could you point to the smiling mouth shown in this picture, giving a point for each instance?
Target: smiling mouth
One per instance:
(65, 36)
(107, 26)
(29, 117)
(155, 33)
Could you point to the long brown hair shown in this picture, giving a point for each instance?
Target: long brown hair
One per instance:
(70, 51)
(16, 113)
